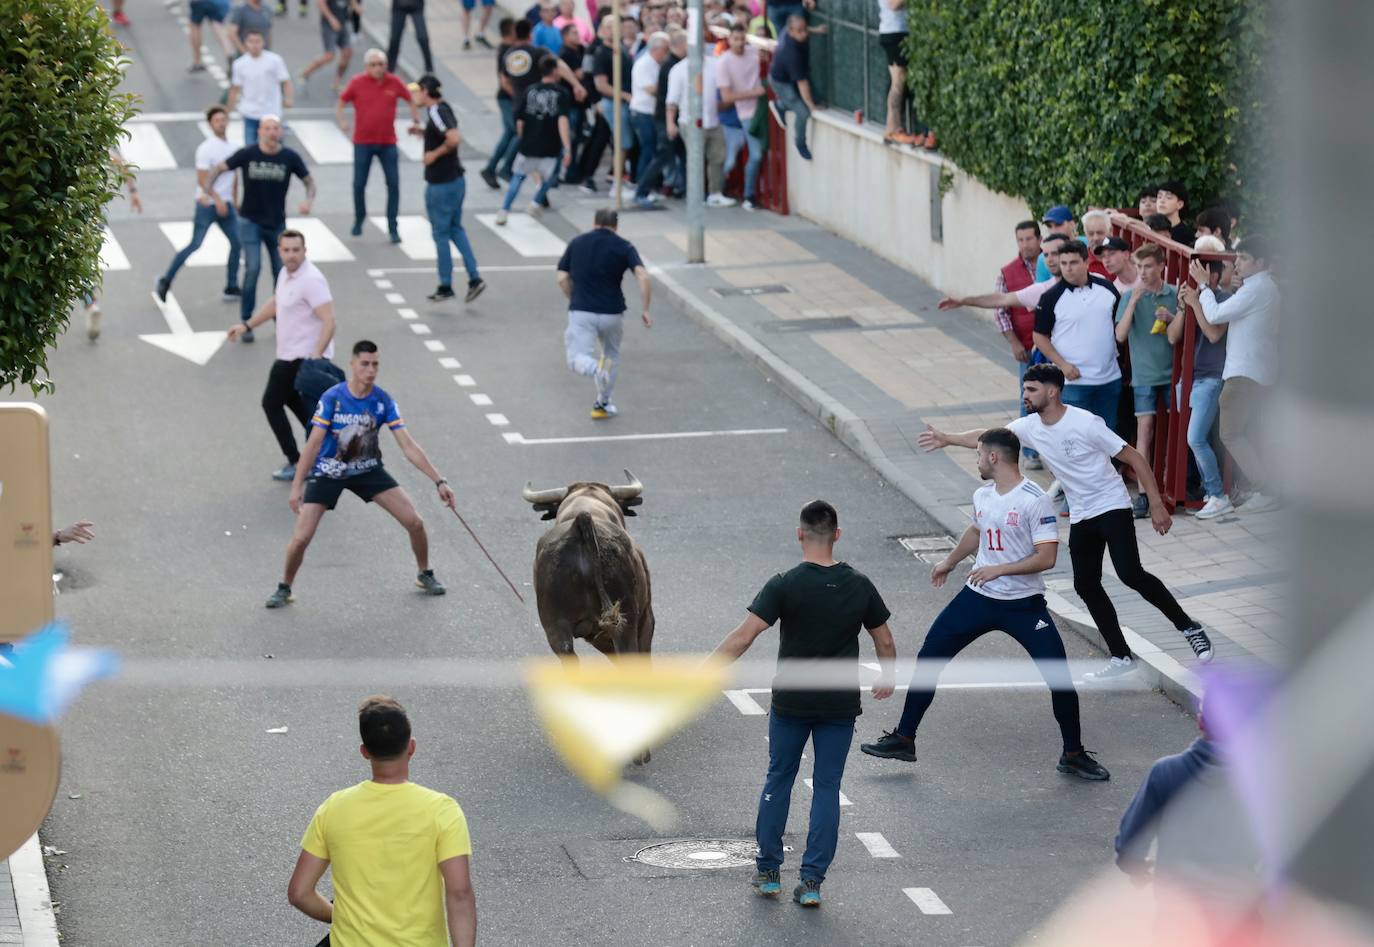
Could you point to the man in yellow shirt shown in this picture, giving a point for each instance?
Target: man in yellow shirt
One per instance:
(391, 843)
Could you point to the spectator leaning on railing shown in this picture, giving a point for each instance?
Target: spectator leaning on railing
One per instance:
(1145, 203)
(1171, 201)
(1209, 358)
(791, 78)
(1074, 330)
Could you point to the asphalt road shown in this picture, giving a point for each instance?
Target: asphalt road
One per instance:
(181, 815)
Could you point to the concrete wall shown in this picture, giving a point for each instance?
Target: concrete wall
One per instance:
(880, 196)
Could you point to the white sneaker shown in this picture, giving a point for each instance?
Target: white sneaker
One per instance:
(1214, 507)
(750, 205)
(720, 200)
(500, 218)
(534, 210)
(1259, 503)
(93, 321)
(1113, 669)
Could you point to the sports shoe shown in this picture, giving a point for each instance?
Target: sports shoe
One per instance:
(1032, 463)
(444, 291)
(247, 336)
(467, 45)
(807, 893)
(646, 203)
(483, 41)
(475, 288)
(601, 412)
(231, 294)
(500, 218)
(720, 200)
(162, 287)
(432, 586)
(749, 205)
(602, 376)
(1197, 640)
(196, 67)
(93, 321)
(281, 597)
(357, 229)
(489, 177)
(768, 883)
(1113, 669)
(120, 19)
(892, 746)
(303, 12)
(587, 187)
(394, 236)
(285, 474)
(1140, 506)
(1259, 503)
(805, 153)
(281, 8)
(535, 210)
(1214, 507)
(1082, 765)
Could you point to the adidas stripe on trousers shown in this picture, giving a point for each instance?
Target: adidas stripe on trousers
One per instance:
(970, 616)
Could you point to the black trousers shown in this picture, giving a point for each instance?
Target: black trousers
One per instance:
(595, 148)
(279, 395)
(1114, 532)
(398, 25)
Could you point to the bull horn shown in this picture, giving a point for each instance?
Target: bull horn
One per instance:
(628, 491)
(556, 495)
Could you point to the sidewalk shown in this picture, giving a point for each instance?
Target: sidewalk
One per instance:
(860, 343)
(26, 911)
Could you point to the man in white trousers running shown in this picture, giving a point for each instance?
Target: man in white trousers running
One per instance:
(590, 274)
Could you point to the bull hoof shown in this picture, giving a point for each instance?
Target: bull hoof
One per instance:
(642, 758)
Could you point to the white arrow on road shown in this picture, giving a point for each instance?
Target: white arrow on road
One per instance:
(198, 347)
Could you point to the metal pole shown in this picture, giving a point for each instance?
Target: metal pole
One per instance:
(617, 149)
(696, 153)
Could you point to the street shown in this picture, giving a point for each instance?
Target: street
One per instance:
(181, 816)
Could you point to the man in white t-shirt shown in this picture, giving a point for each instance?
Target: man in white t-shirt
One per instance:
(1079, 448)
(260, 84)
(216, 196)
(713, 137)
(643, 95)
(1015, 532)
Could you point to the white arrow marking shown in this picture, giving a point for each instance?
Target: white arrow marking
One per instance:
(198, 347)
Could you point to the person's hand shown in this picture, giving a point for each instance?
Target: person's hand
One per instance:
(334, 24)
(567, 159)
(1187, 294)
(672, 130)
(1071, 372)
(297, 498)
(305, 207)
(932, 439)
(648, 320)
(447, 498)
(429, 157)
(1198, 272)
(135, 202)
(221, 208)
(884, 685)
(236, 331)
(286, 103)
(343, 127)
(1018, 351)
(1160, 518)
(415, 129)
(984, 574)
(79, 532)
(939, 572)
(949, 302)
(579, 93)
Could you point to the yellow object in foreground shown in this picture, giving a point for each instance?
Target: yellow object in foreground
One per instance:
(600, 716)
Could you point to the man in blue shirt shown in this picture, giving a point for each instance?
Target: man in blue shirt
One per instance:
(590, 274)
(791, 78)
(344, 453)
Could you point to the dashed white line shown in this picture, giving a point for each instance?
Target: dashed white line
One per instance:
(407, 313)
(499, 420)
(384, 284)
(877, 846)
(434, 345)
(482, 401)
(511, 437)
(465, 381)
(644, 437)
(742, 701)
(844, 800)
(419, 328)
(450, 362)
(396, 299)
(928, 901)
(376, 273)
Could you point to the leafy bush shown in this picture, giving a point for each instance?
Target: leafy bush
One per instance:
(60, 115)
(1084, 103)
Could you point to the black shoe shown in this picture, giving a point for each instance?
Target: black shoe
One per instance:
(1140, 507)
(489, 176)
(808, 893)
(483, 41)
(1082, 765)
(1197, 640)
(445, 291)
(162, 287)
(475, 288)
(467, 45)
(231, 293)
(357, 230)
(281, 597)
(432, 586)
(892, 746)
(247, 336)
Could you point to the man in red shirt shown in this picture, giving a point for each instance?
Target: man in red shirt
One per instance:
(373, 94)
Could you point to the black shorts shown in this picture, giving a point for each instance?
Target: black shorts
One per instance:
(327, 490)
(894, 44)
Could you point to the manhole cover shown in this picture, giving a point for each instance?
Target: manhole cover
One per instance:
(766, 290)
(699, 853)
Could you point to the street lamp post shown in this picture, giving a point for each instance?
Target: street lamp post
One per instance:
(696, 163)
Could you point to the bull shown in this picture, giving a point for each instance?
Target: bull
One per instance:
(590, 577)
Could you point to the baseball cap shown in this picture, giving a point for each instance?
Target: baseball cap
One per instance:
(1058, 214)
(429, 83)
(1113, 243)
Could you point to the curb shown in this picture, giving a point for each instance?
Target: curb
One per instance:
(37, 922)
(1158, 670)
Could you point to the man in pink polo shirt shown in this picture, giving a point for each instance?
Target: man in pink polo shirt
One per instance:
(373, 94)
(304, 310)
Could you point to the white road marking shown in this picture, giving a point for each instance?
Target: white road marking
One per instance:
(396, 299)
(213, 250)
(745, 704)
(450, 362)
(877, 846)
(375, 273)
(512, 268)
(234, 132)
(112, 254)
(383, 284)
(407, 313)
(844, 800)
(417, 238)
(419, 328)
(482, 401)
(147, 148)
(511, 437)
(434, 345)
(645, 437)
(928, 901)
(145, 118)
(526, 235)
(324, 141)
(465, 380)
(499, 420)
(324, 247)
(179, 339)
(412, 146)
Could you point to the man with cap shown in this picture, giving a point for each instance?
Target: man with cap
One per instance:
(445, 188)
(1115, 255)
(1058, 219)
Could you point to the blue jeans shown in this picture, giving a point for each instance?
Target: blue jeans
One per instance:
(1204, 400)
(206, 218)
(790, 100)
(1101, 400)
(830, 741)
(541, 196)
(1020, 385)
(647, 138)
(250, 131)
(444, 207)
(779, 13)
(504, 153)
(254, 236)
(362, 167)
(660, 169)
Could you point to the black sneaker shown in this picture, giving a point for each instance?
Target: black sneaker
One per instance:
(431, 585)
(1082, 765)
(281, 597)
(445, 291)
(768, 883)
(489, 176)
(231, 294)
(162, 287)
(807, 893)
(467, 45)
(1197, 640)
(483, 41)
(475, 289)
(892, 746)
(357, 229)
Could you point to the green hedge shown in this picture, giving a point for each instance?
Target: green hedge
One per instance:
(1084, 102)
(60, 114)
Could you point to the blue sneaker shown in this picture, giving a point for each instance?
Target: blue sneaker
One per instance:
(805, 152)
(768, 883)
(808, 893)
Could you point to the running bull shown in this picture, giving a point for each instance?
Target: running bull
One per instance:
(590, 577)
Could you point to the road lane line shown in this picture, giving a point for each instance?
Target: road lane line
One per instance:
(407, 313)
(877, 846)
(383, 284)
(396, 299)
(482, 401)
(499, 420)
(509, 268)
(324, 246)
(928, 901)
(464, 380)
(324, 141)
(744, 703)
(434, 345)
(419, 328)
(417, 236)
(112, 254)
(511, 437)
(647, 437)
(147, 148)
(527, 236)
(449, 362)
(844, 800)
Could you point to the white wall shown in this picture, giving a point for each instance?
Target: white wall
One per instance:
(879, 196)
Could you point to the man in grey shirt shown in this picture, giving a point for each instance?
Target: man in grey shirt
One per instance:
(250, 16)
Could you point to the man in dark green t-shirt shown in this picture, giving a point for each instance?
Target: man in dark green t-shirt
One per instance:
(822, 605)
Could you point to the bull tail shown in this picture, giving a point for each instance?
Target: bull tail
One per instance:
(610, 622)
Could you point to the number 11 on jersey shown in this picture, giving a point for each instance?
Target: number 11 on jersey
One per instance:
(994, 544)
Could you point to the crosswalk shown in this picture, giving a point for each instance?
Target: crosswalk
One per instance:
(164, 141)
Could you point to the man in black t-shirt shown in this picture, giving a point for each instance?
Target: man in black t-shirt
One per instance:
(822, 604)
(267, 169)
(541, 121)
(445, 188)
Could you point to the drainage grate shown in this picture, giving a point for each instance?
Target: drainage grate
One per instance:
(931, 549)
(765, 290)
(699, 853)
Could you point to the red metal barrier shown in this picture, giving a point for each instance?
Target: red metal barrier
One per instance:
(1170, 448)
